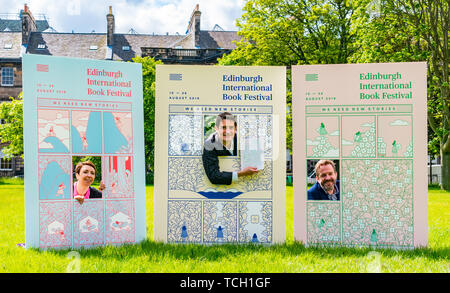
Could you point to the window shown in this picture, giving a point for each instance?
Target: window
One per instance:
(125, 48)
(5, 164)
(7, 76)
(19, 163)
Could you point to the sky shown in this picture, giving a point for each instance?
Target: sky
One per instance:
(144, 16)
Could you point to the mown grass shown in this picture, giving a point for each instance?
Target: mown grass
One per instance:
(153, 257)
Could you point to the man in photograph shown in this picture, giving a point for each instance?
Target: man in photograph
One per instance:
(327, 185)
(223, 142)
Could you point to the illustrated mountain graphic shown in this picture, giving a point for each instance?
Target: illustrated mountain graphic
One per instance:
(322, 223)
(51, 180)
(93, 135)
(322, 130)
(58, 146)
(114, 139)
(220, 232)
(357, 136)
(373, 236)
(184, 233)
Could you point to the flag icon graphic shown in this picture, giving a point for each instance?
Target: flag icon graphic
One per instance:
(175, 76)
(42, 67)
(311, 77)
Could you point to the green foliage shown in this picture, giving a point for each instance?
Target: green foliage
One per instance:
(11, 181)
(11, 130)
(414, 30)
(148, 85)
(210, 122)
(287, 32)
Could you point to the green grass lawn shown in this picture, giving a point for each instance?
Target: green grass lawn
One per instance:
(152, 257)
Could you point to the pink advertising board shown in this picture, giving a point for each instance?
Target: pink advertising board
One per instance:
(370, 121)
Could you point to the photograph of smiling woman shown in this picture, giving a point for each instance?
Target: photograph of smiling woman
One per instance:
(85, 174)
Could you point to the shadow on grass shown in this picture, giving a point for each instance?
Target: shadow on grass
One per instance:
(158, 250)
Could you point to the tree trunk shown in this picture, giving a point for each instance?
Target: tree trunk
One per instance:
(445, 170)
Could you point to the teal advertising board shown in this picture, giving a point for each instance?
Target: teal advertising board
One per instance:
(83, 110)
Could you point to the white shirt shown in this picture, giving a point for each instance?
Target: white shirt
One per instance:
(231, 149)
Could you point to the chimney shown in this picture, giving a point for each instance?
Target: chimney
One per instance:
(28, 25)
(194, 25)
(110, 28)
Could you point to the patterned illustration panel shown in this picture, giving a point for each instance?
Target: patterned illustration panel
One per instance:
(185, 135)
(55, 224)
(358, 136)
(324, 225)
(261, 181)
(322, 137)
(257, 127)
(377, 202)
(119, 221)
(54, 177)
(189, 174)
(86, 132)
(89, 221)
(53, 131)
(184, 221)
(255, 221)
(220, 221)
(395, 136)
(118, 176)
(118, 132)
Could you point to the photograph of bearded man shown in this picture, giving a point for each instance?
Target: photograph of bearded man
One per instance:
(327, 185)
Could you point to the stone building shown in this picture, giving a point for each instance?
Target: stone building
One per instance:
(29, 35)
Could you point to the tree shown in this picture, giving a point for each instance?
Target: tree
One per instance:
(11, 130)
(414, 30)
(148, 86)
(286, 32)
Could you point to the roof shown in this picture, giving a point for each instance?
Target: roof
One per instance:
(208, 40)
(136, 42)
(15, 25)
(13, 38)
(68, 44)
(218, 39)
(79, 44)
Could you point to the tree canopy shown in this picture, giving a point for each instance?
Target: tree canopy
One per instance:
(414, 30)
(148, 87)
(297, 32)
(11, 128)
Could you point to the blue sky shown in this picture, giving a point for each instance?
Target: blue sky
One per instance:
(144, 16)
